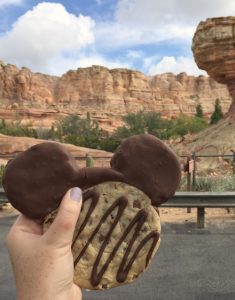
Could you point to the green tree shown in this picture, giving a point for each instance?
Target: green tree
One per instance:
(142, 122)
(75, 130)
(217, 114)
(199, 111)
(134, 123)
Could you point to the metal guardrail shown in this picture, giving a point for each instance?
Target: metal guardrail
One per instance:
(199, 200)
(202, 199)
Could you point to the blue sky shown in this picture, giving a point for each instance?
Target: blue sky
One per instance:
(152, 36)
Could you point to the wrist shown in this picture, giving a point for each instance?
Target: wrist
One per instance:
(46, 295)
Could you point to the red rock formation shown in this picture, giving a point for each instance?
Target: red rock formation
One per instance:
(106, 94)
(213, 48)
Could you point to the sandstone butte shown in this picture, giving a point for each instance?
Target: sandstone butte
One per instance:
(107, 94)
(213, 48)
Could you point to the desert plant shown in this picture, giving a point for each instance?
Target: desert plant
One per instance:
(204, 184)
(75, 130)
(183, 184)
(217, 114)
(17, 129)
(184, 125)
(199, 111)
(2, 167)
(142, 122)
(224, 184)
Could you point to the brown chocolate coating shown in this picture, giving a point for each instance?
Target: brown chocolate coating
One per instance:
(36, 180)
(148, 164)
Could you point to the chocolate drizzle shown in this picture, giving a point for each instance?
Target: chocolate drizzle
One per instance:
(137, 221)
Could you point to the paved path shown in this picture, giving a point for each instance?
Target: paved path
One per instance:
(191, 264)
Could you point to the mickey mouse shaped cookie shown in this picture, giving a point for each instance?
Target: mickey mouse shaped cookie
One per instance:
(118, 230)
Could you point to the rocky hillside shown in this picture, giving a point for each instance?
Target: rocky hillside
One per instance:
(106, 94)
(218, 139)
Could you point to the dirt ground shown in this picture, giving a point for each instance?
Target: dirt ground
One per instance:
(168, 215)
(180, 215)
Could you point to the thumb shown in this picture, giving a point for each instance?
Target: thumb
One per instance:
(62, 229)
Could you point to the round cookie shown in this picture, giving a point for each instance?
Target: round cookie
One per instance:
(116, 235)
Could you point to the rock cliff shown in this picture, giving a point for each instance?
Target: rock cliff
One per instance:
(213, 48)
(106, 94)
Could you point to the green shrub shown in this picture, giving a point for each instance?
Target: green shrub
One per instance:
(217, 114)
(184, 125)
(183, 184)
(17, 129)
(224, 184)
(204, 184)
(210, 184)
(2, 167)
(75, 130)
(142, 122)
(109, 143)
(199, 111)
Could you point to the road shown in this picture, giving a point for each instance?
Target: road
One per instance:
(191, 264)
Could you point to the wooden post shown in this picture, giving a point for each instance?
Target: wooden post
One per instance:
(194, 171)
(188, 175)
(188, 182)
(200, 217)
(89, 161)
(233, 162)
(188, 188)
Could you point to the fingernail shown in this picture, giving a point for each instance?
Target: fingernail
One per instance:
(76, 194)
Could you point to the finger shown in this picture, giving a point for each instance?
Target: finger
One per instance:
(61, 230)
(24, 224)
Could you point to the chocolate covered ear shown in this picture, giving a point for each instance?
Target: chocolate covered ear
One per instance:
(36, 180)
(147, 163)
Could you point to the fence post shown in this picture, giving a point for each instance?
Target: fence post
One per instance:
(233, 162)
(188, 175)
(89, 161)
(194, 171)
(188, 182)
(200, 217)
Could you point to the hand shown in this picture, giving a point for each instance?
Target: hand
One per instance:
(43, 263)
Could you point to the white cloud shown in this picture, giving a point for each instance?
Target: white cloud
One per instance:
(176, 65)
(43, 33)
(111, 35)
(139, 22)
(10, 2)
(152, 13)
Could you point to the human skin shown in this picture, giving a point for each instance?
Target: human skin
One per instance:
(43, 262)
